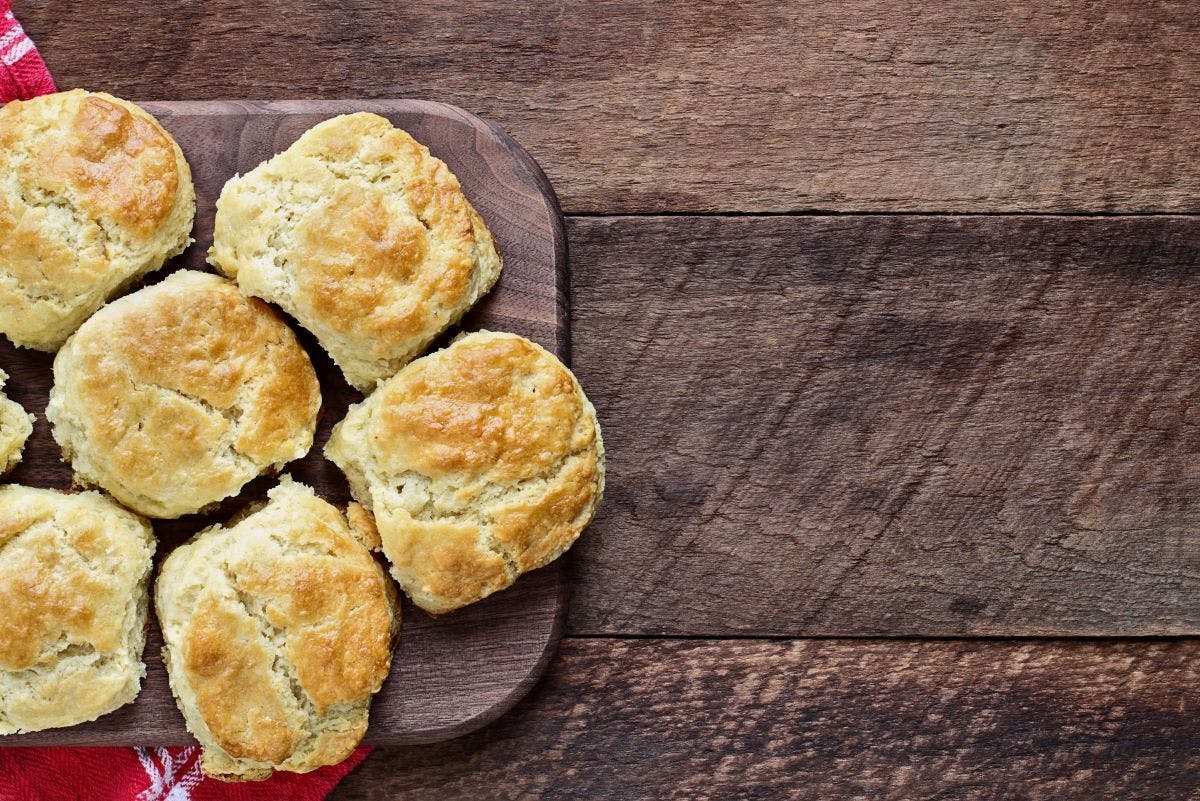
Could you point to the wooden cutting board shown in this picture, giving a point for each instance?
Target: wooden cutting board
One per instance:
(450, 675)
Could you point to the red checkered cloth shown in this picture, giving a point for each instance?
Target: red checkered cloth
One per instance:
(23, 74)
(123, 774)
(146, 774)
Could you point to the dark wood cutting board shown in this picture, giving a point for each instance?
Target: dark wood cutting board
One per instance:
(458, 672)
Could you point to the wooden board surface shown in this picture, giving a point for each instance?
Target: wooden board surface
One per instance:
(819, 720)
(449, 675)
(917, 425)
(755, 105)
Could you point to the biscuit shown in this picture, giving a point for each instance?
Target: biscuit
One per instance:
(278, 629)
(74, 571)
(479, 462)
(175, 396)
(15, 427)
(363, 237)
(94, 194)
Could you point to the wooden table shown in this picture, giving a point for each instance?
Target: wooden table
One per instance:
(892, 318)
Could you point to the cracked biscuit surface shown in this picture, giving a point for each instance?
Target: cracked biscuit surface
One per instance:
(74, 570)
(94, 194)
(172, 398)
(15, 427)
(479, 462)
(278, 629)
(362, 236)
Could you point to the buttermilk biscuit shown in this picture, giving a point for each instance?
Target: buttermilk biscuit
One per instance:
(94, 194)
(278, 630)
(479, 462)
(15, 428)
(175, 396)
(74, 571)
(363, 237)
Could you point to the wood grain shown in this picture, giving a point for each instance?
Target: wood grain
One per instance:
(450, 675)
(888, 425)
(828, 720)
(642, 105)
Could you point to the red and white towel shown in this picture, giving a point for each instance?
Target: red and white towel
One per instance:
(121, 774)
(23, 74)
(146, 774)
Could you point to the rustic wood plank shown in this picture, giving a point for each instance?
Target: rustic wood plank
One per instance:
(641, 105)
(828, 720)
(450, 675)
(891, 425)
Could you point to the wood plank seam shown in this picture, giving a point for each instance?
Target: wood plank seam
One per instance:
(895, 425)
(951, 720)
(756, 106)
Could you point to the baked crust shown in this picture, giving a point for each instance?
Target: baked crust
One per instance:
(363, 237)
(94, 194)
(172, 398)
(74, 570)
(278, 630)
(15, 427)
(479, 462)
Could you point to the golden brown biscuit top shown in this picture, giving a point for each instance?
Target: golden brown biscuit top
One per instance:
(479, 462)
(393, 256)
(494, 408)
(229, 667)
(186, 384)
(397, 266)
(84, 179)
(278, 619)
(69, 566)
(198, 337)
(118, 165)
